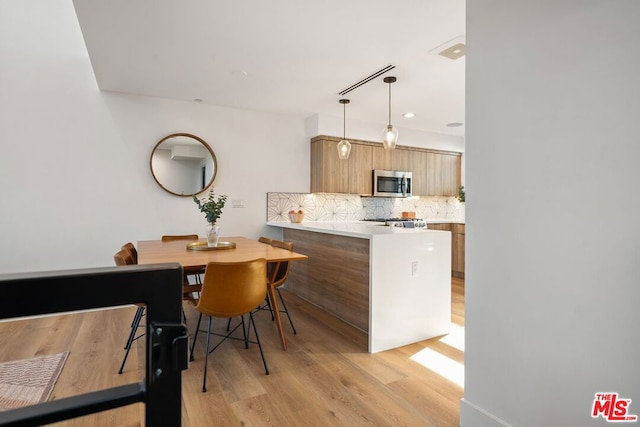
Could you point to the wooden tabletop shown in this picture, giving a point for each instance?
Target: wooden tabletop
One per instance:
(156, 251)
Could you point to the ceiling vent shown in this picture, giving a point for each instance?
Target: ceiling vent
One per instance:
(367, 79)
(452, 49)
(454, 52)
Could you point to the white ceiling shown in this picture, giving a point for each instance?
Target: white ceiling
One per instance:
(284, 56)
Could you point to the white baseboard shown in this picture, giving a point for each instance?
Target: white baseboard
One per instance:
(474, 416)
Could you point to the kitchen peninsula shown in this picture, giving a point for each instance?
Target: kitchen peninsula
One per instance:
(392, 283)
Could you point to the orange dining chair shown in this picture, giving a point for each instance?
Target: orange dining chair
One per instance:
(124, 257)
(277, 275)
(266, 241)
(231, 289)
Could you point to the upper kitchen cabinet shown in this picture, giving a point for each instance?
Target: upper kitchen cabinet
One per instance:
(418, 167)
(382, 159)
(435, 173)
(329, 174)
(443, 173)
(401, 159)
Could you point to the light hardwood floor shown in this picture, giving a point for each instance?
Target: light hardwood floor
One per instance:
(326, 377)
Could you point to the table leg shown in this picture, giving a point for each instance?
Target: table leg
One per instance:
(276, 313)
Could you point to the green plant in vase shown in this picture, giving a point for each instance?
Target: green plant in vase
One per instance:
(212, 209)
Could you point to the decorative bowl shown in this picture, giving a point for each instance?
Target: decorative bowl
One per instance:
(296, 217)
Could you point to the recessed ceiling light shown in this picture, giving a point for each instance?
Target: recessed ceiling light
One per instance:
(240, 73)
(197, 100)
(454, 124)
(409, 115)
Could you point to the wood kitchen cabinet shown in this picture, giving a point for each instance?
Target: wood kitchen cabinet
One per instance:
(435, 172)
(401, 159)
(442, 227)
(446, 176)
(457, 245)
(420, 170)
(360, 175)
(457, 250)
(382, 159)
(329, 174)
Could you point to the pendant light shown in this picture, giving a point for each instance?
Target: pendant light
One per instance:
(390, 134)
(344, 146)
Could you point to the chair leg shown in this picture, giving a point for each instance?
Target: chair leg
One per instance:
(246, 337)
(195, 336)
(134, 328)
(284, 307)
(184, 317)
(134, 325)
(268, 301)
(255, 331)
(206, 359)
(245, 333)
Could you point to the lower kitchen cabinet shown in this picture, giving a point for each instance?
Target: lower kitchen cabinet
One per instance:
(457, 250)
(441, 227)
(388, 285)
(457, 245)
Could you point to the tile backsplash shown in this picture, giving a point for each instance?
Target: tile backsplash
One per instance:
(347, 207)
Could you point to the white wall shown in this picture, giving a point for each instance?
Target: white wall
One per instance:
(74, 166)
(553, 237)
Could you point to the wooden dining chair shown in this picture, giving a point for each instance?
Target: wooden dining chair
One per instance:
(121, 258)
(170, 238)
(132, 250)
(231, 289)
(270, 265)
(277, 273)
(191, 291)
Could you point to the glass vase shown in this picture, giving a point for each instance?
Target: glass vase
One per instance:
(213, 235)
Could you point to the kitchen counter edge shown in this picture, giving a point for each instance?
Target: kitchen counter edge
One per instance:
(360, 229)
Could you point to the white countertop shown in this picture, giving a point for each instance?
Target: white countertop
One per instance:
(360, 229)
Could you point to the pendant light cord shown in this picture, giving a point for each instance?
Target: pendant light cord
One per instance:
(389, 103)
(344, 121)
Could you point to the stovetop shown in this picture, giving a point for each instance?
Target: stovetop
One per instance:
(391, 219)
(401, 222)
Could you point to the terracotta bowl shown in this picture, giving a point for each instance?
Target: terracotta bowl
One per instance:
(296, 217)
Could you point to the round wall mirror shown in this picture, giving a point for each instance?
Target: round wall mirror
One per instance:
(183, 164)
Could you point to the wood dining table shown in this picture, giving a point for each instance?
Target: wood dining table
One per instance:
(157, 251)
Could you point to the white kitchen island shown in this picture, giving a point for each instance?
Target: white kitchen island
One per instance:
(393, 283)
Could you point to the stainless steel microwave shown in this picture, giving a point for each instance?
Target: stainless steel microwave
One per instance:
(392, 183)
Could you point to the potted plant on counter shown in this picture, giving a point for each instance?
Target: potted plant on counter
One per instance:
(212, 209)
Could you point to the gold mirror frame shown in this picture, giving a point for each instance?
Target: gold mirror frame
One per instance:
(173, 191)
